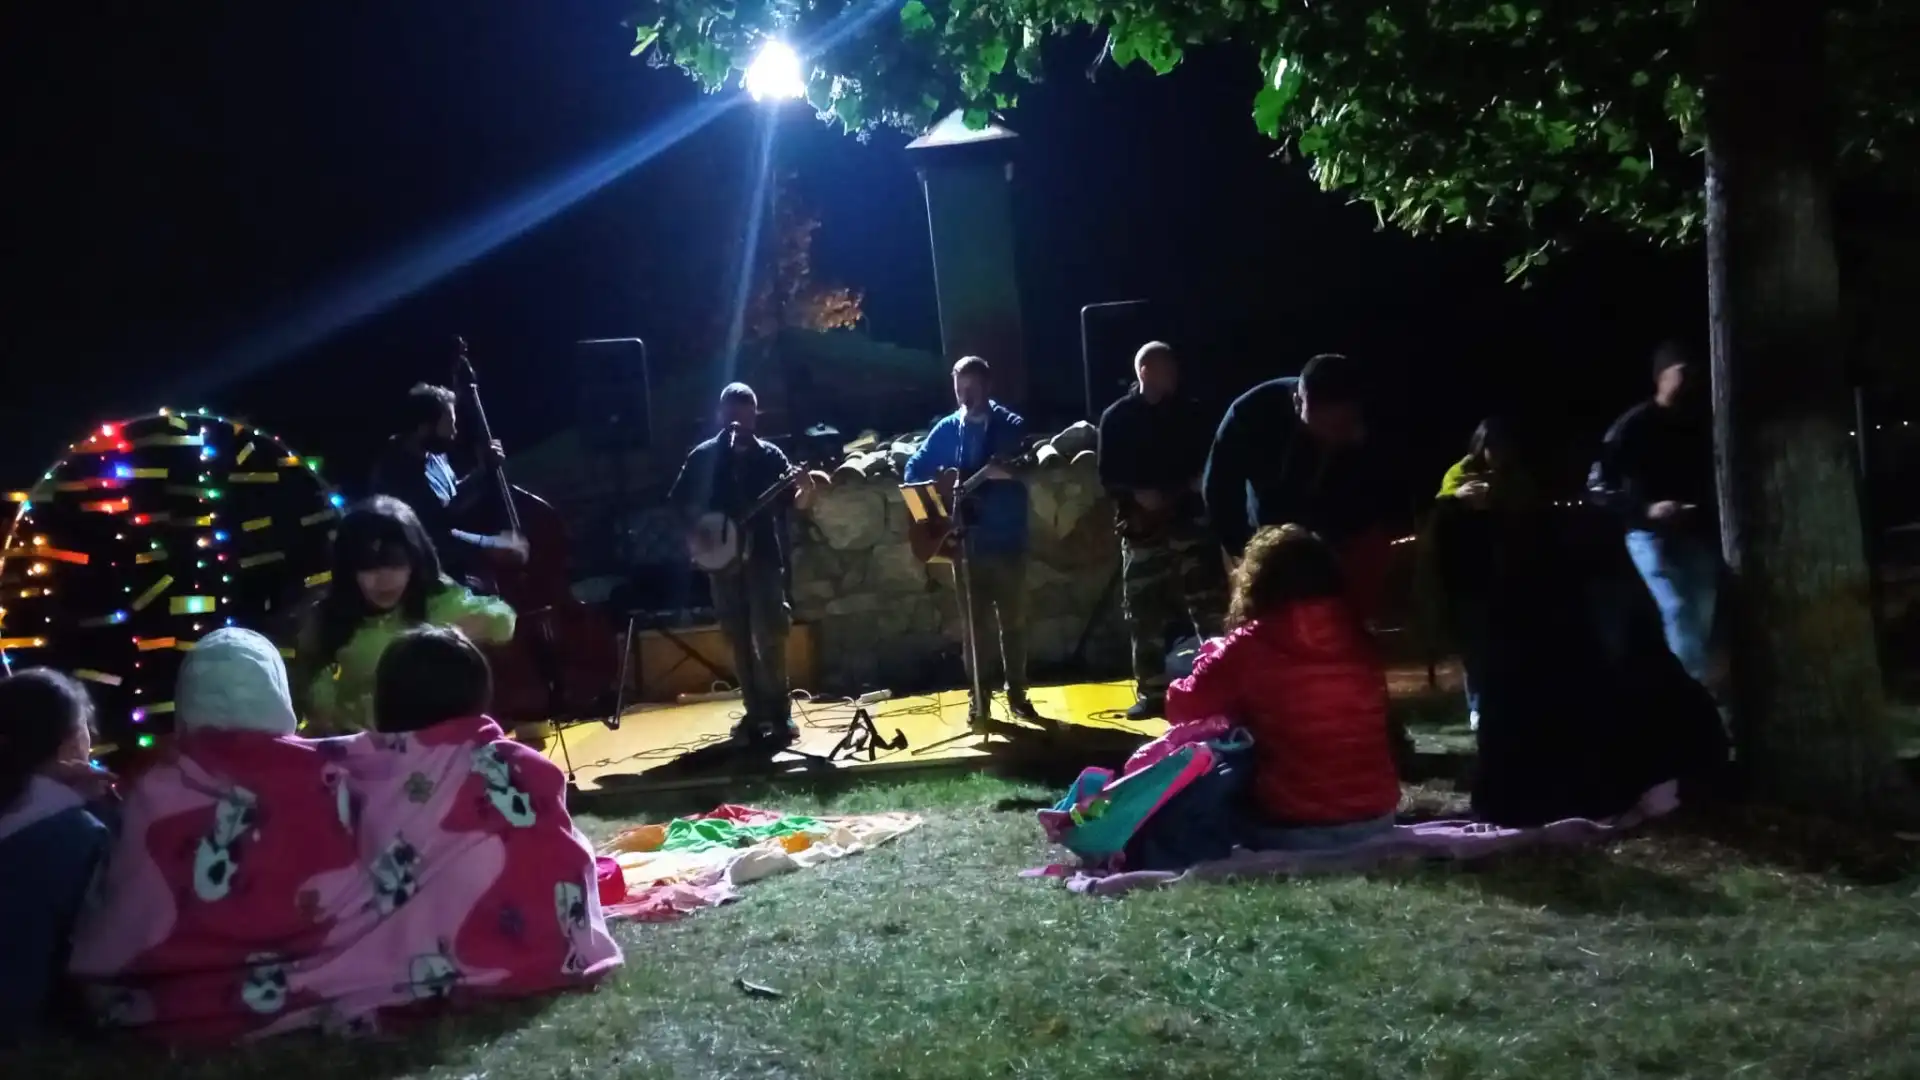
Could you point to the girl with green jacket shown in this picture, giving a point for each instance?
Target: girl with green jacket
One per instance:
(386, 578)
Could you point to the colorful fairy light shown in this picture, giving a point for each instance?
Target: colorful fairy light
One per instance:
(100, 523)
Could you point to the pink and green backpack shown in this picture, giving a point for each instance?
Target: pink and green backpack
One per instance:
(1101, 813)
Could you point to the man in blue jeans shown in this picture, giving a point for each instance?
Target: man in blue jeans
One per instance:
(1656, 471)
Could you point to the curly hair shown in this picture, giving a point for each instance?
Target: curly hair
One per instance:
(1284, 564)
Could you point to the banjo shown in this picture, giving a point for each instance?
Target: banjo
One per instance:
(718, 542)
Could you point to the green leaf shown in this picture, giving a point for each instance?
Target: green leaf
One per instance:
(1026, 59)
(975, 119)
(993, 56)
(850, 111)
(820, 94)
(914, 17)
(644, 37)
(1269, 105)
(1312, 141)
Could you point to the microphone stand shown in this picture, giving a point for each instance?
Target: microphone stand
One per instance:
(981, 705)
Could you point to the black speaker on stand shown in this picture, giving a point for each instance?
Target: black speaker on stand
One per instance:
(613, 402)
(613, 410)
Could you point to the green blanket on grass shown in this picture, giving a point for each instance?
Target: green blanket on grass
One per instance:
(705, 834)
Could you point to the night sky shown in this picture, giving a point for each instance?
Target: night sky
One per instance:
(189, 183)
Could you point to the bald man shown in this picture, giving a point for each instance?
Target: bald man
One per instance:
(1153, 449)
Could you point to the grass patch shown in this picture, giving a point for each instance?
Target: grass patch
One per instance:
(1665, 955)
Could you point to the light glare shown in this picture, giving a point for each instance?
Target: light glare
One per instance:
(774, 74)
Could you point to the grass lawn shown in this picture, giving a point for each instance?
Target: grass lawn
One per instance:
(1666, 955)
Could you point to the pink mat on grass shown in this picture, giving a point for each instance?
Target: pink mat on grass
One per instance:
(1448, 840)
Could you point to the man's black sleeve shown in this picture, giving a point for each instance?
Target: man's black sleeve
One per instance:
(777, 465)
(693, 488)
(1117, 456)
(1224, 482)
(1615, 482)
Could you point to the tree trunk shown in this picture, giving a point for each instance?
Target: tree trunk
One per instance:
(1811, 722)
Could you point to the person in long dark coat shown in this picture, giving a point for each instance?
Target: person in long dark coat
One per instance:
(1583, 707)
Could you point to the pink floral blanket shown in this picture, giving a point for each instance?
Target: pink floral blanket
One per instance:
(262, 885)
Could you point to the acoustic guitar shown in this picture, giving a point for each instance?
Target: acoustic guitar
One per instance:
(935, 539)
(718, 542)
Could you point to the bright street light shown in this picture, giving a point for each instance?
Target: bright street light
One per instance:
(775, 74)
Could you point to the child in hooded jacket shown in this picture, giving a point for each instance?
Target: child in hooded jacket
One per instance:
(51, 842)
(1300, 673)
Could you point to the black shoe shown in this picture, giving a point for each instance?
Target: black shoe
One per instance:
(762, 734)
(1022, 708)
(1148, 708)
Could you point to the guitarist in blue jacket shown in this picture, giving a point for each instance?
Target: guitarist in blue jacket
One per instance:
(726, 474)
(983, 434)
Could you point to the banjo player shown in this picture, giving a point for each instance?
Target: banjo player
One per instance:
(732, 495)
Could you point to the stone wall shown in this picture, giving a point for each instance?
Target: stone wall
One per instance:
(881, 619)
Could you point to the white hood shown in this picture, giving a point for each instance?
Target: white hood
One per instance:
(234, 680)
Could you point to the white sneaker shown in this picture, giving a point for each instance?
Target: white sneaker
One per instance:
(1473, 720)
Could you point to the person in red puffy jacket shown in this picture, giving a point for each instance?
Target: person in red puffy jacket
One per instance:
(1299, 671)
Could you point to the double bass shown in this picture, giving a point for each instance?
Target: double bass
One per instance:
(564, 660)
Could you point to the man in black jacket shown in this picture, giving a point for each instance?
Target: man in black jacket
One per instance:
(1153, 447)
(1656, 472)
(414, 469)
(727, 473)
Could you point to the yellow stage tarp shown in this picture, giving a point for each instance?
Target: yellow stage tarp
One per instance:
(651, 736)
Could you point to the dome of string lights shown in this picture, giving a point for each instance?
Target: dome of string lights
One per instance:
(147, 534)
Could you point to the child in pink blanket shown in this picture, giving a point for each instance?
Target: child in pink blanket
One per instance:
(265, 883)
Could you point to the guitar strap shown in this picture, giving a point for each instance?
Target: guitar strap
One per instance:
(968, 468)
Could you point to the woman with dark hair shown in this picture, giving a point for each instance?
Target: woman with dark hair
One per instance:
(1471, 480)
(50, 842)
(1583, 708)
(386, 577)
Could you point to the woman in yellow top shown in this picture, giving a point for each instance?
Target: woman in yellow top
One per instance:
(1470, 483)
(386, 578)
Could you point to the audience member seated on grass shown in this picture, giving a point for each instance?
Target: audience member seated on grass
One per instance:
(1583, 708)
(207, 897)
(265, 883)
(50, 841)
(386, 577)
(1300, 673)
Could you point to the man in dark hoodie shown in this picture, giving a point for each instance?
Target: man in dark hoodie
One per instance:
(1295, 451)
